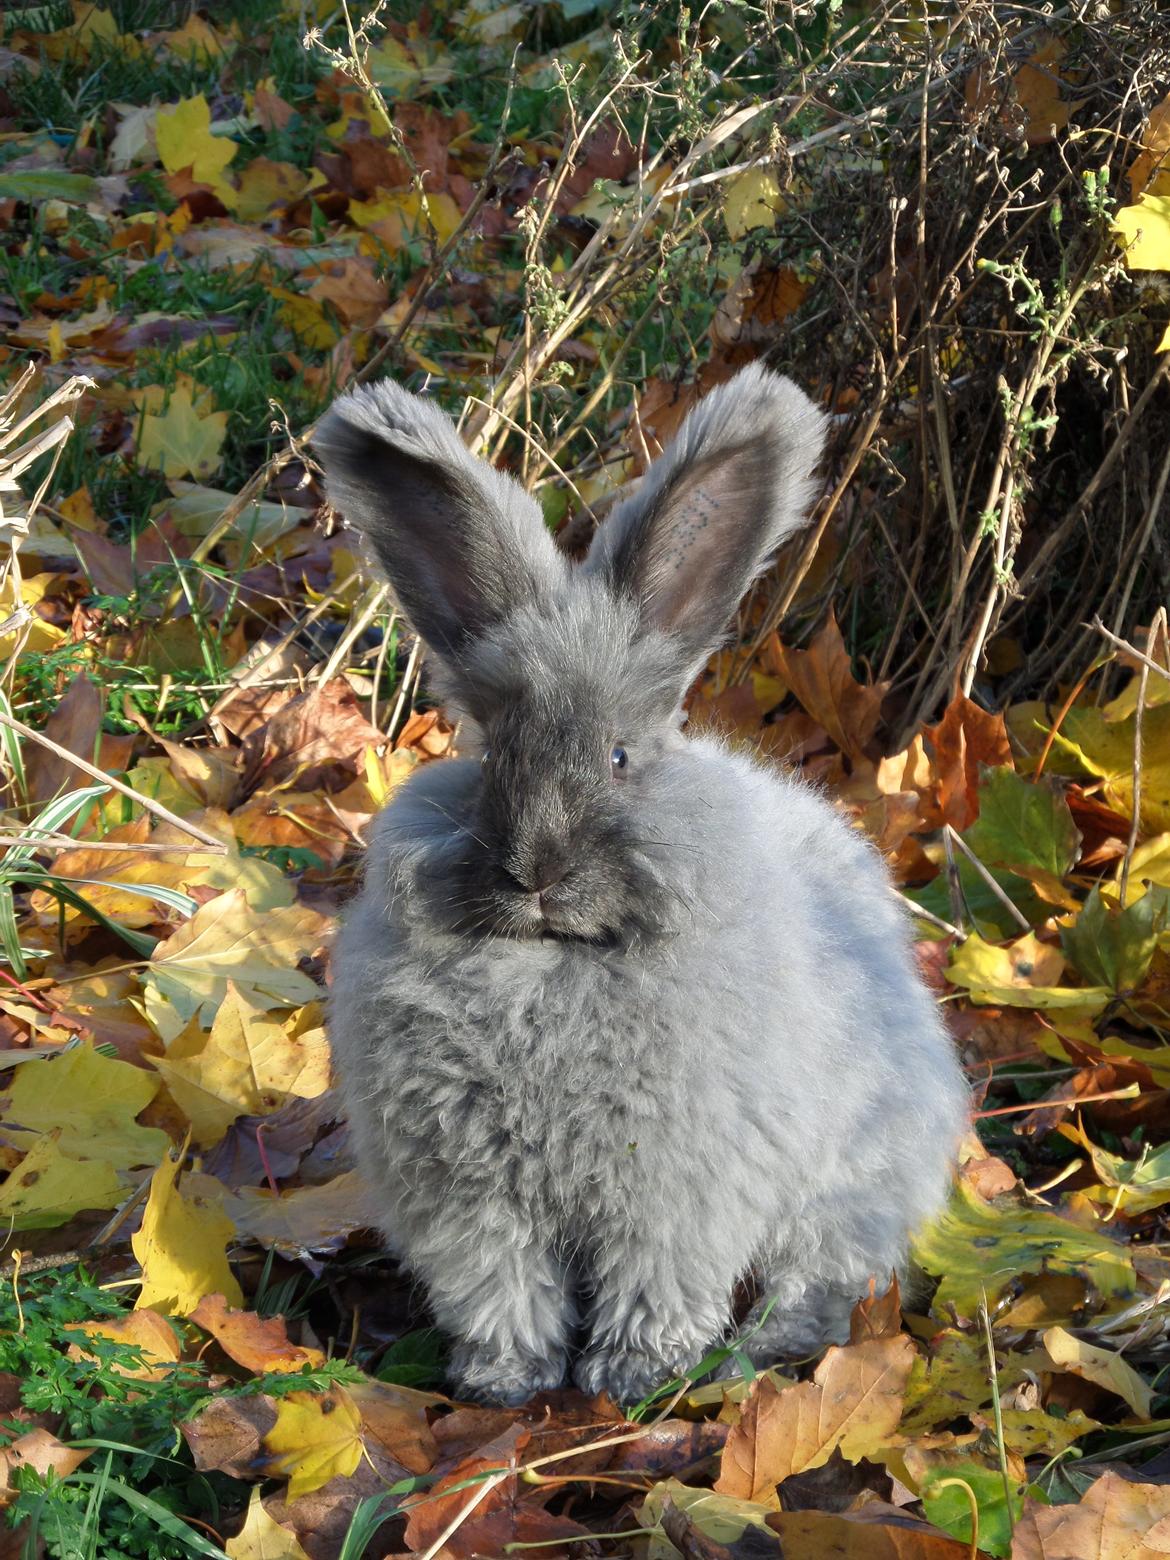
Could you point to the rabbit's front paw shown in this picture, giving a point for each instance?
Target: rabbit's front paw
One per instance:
(627, 1375)
(490, 1376)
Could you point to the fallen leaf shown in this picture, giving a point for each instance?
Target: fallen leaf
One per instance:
(257, 1343)
(947, 1480)
(965, 741)
(877, 1315)
(822, 679)
(506, 1515)
(1023, 826)
(1145, 227)
(227, 940)
(89, 1102)
(261, 1538)
(182, 441)
(1113, 947)
(49, 1186)
(266, 186)
(1103, 1367)
(42, 1452)
(316, 737)
(247, 1064)
(75, 724)
(316, 1435)
(875, 1532)
(186, 144)
(308, 1218)
(722, 1520)
(951, 1379)
(1033, 1432)
(751, 200)
(145, 1331)
(854, 1403)
(1149, 173)
(976, 1247)
(1116, 1519)
(227, 1434)
(182, 1246)
(1023, 973)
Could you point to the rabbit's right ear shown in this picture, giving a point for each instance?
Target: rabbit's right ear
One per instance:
(461, 543)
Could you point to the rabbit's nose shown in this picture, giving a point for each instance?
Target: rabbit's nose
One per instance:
(547, 871)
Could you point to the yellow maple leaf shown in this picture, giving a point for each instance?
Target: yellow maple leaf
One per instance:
(227, 939)
(317, 1435)
(199, 42)
(752, 201)
(262, 1537)
(49, 1186)
(1146, 230)
(265, 184)
(90, 1102)
(182, 1245)
(401, 215)
(182, 441)
(184, 140)
(306, 319)
(248, 1064)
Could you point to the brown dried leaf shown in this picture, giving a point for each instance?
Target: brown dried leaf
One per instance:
(1115, 1520)
(875, 1532)
(965, 738)
(822, 679)
(503, 1516)
(228, 1434)
(316, 739)
(854, 1402)
(877, 1315)
(76, 725)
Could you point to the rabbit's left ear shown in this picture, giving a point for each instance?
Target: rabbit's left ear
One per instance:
(732, 485)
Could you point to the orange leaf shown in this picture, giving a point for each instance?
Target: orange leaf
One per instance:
(822, 679)
(965, 738)
(257, 1343)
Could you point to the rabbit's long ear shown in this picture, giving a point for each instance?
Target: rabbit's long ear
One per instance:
(461, 543)
(730, 487)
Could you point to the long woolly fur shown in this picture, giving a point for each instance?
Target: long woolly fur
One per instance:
(724, 1061)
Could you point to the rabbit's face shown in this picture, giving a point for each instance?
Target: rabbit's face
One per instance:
(571, 742)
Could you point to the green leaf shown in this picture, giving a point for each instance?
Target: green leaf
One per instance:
(1113, 947)
(948, 1505)
(34, 184)
(975, 1246)
(1023, 826)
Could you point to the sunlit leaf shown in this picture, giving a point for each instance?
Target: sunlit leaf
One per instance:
(182, 1245)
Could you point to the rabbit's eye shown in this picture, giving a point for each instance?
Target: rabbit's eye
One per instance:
(618, 759)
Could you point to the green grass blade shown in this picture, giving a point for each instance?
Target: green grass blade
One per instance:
(9, 933)
(174, 1526)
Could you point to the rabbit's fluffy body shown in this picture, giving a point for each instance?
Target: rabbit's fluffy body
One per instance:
(611, 1037)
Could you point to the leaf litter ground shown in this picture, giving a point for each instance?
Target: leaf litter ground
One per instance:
(201, 1350)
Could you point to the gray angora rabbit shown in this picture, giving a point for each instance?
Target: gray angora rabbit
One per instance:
(620, 1016)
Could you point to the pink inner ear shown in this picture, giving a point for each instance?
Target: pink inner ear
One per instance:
(702, 550)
